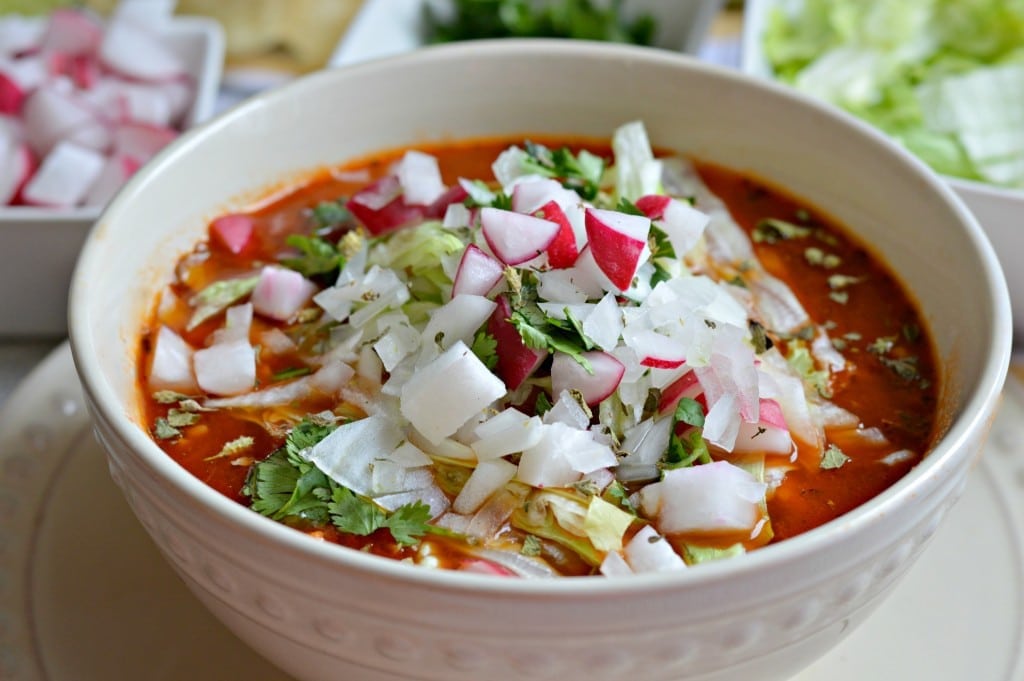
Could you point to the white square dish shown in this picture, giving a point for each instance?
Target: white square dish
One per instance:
(387, 27)
(38, 246)
(1000, 210)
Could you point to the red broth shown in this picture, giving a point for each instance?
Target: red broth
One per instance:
(889, 381)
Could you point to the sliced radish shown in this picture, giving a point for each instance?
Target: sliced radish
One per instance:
(116, 171)
(25, 166)
(528, 196)
(568, 374)
(485, 567)
(515, 238)
(20, 34)
(686, 385)
(617, 241)
(12, 95)
(562, 251)
(50, 116)
(71, 32)
(171, 368)
(380, 207)
(681, 222)
(656, 350)
(447, 392)
(516, 362)
(455, 194)
(232, 232)
(131, 50)
(226, 368)
(710, 498)
(280, 293)
(141, 140)
(420, 178)
(478, 273)
(653, 205)
(64, 177)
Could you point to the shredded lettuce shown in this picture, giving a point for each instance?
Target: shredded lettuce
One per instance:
(943, 77)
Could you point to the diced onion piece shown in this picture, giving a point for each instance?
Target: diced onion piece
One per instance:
(568, 411)
(280, 293)
(546, 464)
(458, 319)
(649, 552)
(226, 368)
(486, 479)
(448, 391)
(420, 178)
(171, 368)
(478, 273)
(349, 453)
(614, 565)
(604, 323)
(714, 497)
(514, 438)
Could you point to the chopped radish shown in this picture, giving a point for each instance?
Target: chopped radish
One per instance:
(562, 251)
(280, 293)
(171, 368)
(710, 498)
(420, 178)
(141, 140)
(116, 171)
(617, 241)
(516, 362)
(50, 116)
(25, 166)
(64, 177)
(770, 435)
(226, 368)
(447, 392)
(131, 50)
(478, 273)
(486, 479)
(528, 196)
(20, 34)
(71, 32)
(380, 206)
(686, 385)
(681, 222)
(656, 350)
(653, 205)
(568, 374)
(232, 232)
(454, 195)
(516, 238)
(485, 567)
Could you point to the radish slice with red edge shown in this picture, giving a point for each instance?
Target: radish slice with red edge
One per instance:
(12, 95)
(617, 241)
(568, 374)
(562, 251)
(686, 385)
(133, 51)
(280, 293)
(516, 362)
(49, 116)
(477, 274)
(141, 140)
(514, 237)
(116, 171)
(71, 32)
(530, 195)
(65, 176)
(681, 222)
(232, 232)
(379, 206)
(454, 194)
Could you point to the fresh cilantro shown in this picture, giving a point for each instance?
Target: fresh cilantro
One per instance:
(802, 361)
(293, 372)
(540, 331)
(408, 523)
(162, 430)
(217, 297)
(661, 251)
(832, 458)
(687, 450)
(355, 515)
(502, 200)
(689, 411)
(616, 493)
(543, 404)
(531, 546)
(329, 214)
(580, 172)
(882, 345)
(628, 207)
(485, 347)
(771, 230)
(305, 435)
(316, 256)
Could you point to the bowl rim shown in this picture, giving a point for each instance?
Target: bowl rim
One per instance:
(964, 428)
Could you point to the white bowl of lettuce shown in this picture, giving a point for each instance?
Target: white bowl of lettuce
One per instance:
(945, 78)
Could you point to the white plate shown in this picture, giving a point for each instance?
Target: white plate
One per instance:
(85, 596)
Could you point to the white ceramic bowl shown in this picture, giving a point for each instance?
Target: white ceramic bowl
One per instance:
(39, 246)
(324, 612)
(999, 210)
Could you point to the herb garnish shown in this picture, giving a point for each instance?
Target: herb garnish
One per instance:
(219, 296)
(689, 448)
(486, 348)
(317, 256)
(833, 458)
(580, 172)
(772, 230)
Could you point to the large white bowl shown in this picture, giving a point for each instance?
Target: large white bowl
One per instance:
(999, 210)
(324, 612)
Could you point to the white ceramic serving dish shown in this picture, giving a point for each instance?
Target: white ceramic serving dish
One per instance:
(999, 210)
(38, 246)
(323, 612)
(384, 28)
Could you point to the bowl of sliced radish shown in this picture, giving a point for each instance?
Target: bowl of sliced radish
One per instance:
(84, 103)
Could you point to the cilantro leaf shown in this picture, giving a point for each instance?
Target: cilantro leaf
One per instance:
(689, 411)
(580, 172)
(317, 256)
(351, 514)
(771, 230)
(408, 523)
(327, 214)
(485, 347)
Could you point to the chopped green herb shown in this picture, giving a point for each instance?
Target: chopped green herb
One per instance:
(543, 404)
(882, 345)
(485, 347)
(162, 430)
(317, 256)
(689, 411)
(841, 297)
(168, 397)
(293, 372)
(832, 458)
(802, 361)
(355, 515)
(236, 446)
(531, 546)
(759, 337)
(580, 172)
(329, 214)
(616, 493)
(771, 230)
(219, 296)
(502, 201)
(904, 367)
(628, 207)
(179, 418)
(911, 332)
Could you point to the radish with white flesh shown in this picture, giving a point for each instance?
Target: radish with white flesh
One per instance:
(171, 368)
(453, 196)
(420, 178)
(530, 194)
(478, 273)
(709, 498)
(71, 32)
(647, 551)
(588, 276)
(50, 116)
(141, 140)
(116, 171)
(486, 479)
(656, 350)
(20, 34)
(448, 391)
(515, 238)
(458, 319)
(562, 251)
(226, 368)
(380, 207)
(280, 293)
(64, 177)
(133, 50)
(516, 361)
(568, 374)
(232, 232)
(617, 241)
(769, 435)
(681, 222)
